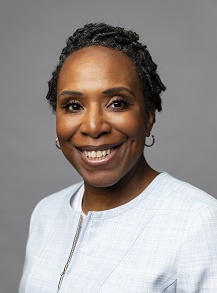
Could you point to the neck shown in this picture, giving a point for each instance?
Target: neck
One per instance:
(126, 189)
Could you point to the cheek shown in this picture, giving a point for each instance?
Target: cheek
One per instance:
(136, 128)
(132, 124)
(65, 127)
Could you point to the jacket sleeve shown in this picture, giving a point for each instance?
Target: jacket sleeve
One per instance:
(197, 267)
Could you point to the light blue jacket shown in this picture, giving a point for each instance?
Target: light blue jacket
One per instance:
(164, 240)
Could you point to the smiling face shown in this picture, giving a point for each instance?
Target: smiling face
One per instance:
(101, 118)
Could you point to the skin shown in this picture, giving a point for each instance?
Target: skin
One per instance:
(99, 106)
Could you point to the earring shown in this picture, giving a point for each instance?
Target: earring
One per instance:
(153, 141)
(56, 143)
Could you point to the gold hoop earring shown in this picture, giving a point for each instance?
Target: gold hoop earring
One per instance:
(153, 141)
(56, 143)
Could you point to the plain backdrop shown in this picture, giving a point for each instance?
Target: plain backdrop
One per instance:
(181, 36)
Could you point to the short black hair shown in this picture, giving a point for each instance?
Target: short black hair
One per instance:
(118, 38)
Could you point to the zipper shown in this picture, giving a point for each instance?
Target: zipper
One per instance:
(71, 253)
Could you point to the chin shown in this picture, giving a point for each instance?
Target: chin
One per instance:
(101, 181)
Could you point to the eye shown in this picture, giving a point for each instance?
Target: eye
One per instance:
(73, 107)
(119, 104)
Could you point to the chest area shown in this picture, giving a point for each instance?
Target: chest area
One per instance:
(107, 257)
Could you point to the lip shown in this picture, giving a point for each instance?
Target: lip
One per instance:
(103, 161)
(98, 147)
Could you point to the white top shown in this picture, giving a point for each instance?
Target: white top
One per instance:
(76, 201)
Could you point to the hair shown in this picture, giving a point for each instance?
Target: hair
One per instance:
(117, 38)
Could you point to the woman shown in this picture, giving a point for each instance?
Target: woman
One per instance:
(126, 227)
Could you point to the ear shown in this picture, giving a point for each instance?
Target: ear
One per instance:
(150, 120)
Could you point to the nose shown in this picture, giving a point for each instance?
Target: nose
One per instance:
(94, 123)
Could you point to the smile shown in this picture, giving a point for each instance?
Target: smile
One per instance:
(97, 155)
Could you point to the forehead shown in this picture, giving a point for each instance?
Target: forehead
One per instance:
(98, 54)
(97, 63)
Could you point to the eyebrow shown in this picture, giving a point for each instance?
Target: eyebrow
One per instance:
(106, 92)
(71, 93)
(117, 90)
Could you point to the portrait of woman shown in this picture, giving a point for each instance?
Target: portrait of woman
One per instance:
(125, 227)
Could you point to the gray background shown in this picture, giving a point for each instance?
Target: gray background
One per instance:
(181, 36)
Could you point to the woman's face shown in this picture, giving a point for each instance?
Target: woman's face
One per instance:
(101, 118)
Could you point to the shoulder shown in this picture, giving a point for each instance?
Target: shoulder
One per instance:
(188, 195)
(185, 206)
(52, 205)
(59, 196)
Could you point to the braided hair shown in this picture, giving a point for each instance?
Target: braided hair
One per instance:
(126, 41)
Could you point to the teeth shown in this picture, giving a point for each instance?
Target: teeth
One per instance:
(97, 154)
